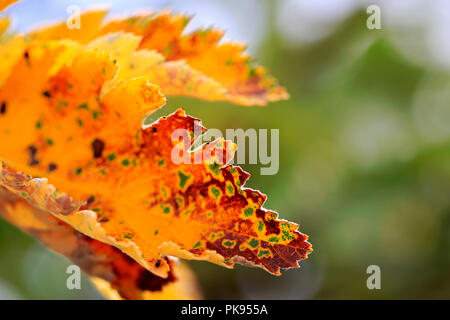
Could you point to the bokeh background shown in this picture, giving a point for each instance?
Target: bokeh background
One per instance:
(364, 147)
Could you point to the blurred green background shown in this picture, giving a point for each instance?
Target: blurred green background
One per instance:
(364, 150)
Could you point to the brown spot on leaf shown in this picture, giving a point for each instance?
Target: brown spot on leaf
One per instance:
(32, 150)
(97, 147)
(3, 108)
(52, 167)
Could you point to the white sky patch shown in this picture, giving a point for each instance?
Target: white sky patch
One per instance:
(244, 21)
(308, 21)
(439, 33)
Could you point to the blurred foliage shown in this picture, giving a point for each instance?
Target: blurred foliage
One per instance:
(364, 170)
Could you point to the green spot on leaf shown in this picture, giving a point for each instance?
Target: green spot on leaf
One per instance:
(183, 178)
(111, 156)
(230, 189)
(197, 245)
(165, 209)
(83, 106)
(249, 212)
(253, 243)
(260, 226)
(263, 253)
(228, 243)
(215, 168)
(96, 113)
(215, 192)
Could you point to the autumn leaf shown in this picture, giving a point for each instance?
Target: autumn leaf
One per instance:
(194, 211)
(11, 46)
(175, 78)
(77, 162)
(115, 273)
(4, 24)
(225, 64)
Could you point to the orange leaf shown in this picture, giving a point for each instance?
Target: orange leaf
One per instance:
(71, 108)
(89, 143)
(225, 64)
(124, 276)
(175, 78)
(90, 22)
(11, 50)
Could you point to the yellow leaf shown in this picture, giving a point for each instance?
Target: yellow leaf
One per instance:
(4, 24)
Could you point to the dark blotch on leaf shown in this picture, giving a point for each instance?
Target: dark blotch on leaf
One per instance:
(204, 192)
(97, 147)
(151, 282)
(47, 94)
(3, 108)
(52, 167)
(32, 150)
(90, 199)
